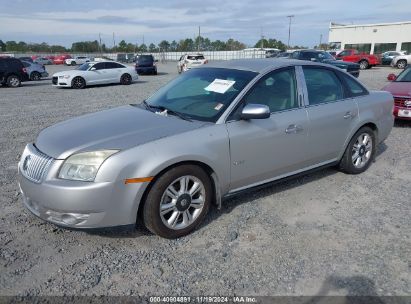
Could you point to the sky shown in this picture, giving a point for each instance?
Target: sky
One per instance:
(68, 21)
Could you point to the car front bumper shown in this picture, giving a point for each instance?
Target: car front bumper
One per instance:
(78, 204)
(44, 74)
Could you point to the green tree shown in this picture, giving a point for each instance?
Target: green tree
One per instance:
(164, 46)
(152, 48)
(143, 48)
(2, 46)
(11, 46)
(122, 46)
(173, 46)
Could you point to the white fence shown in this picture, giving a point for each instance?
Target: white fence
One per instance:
(165, 56)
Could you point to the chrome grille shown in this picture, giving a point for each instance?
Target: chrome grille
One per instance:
(35, 164)
(400, 101)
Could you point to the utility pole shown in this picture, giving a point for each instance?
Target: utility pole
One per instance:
(289, 29)
(114, 41)
(99, 37)
(199, 38)
(321, 40)
(262, 39)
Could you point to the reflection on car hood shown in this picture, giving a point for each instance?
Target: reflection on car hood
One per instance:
(74, 72)
(341, 63)
(118, 128)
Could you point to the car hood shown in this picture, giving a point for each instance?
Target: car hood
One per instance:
(341, 64)
(398, 88)
(69, 72)
(118, 128)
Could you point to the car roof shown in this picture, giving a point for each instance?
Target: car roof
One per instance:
(259, 65)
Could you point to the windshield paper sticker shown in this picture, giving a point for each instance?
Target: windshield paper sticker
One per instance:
(220, 86)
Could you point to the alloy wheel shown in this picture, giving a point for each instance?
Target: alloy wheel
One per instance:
(182, 202)
(362, 150)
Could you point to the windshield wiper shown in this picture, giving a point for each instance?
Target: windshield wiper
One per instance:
(152, 108)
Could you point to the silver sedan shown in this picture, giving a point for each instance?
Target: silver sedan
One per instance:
(212, 132)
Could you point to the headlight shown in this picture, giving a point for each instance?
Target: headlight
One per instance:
(64, 76)
(84, 166)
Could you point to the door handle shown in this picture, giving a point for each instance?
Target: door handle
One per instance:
(348, 115)
(293, 129)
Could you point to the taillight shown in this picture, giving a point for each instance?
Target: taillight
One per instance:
(206, 61)
(24, 70)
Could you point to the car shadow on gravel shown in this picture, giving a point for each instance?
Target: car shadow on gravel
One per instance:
(402, 123)
(357, 290)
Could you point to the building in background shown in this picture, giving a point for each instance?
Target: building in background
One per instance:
(371, 38)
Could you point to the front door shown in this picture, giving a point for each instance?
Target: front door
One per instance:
(264, 149)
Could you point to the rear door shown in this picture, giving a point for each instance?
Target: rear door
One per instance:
(332, 112)
(3, 68)
(265, 149)
(114, 71)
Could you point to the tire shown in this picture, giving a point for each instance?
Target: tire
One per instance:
(183, 215)
(126, 79)
(13, 81)
(78, 83)
(35, 76)
(364, 64)
(402, 64)
(359, 155)
(155, 72)
(73, 63)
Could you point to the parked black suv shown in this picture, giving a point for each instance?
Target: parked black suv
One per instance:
(12, 72)
(146, 64)
(324, 57)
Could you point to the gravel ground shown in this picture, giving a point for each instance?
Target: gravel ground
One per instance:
(326, 233)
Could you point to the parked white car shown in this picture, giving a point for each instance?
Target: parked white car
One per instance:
(401, 61)
(94, 73)
(189, 61)
(77, 60)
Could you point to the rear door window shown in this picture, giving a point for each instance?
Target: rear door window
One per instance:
(354, 88)
(323, 85)
(114, 65)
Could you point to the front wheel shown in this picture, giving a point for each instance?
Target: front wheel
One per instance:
(401, 64)
(78, 83)
(73, 63)
(178, 201)
(126, 79)
(359, 153)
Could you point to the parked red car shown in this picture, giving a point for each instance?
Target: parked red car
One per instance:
(364, 60)
(400, 88)
(60, 59)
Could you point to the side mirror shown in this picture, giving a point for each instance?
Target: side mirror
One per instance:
(391, 77)
(314, 59)
(92, 69)
(156, 60)
(255, 111)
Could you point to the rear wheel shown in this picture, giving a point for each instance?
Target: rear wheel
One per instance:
(78, 83)
(73, 63)
(178, 201)
(13, 81)
(401, 64)
(35, 76)
(359, 153)
(364, 64)
(125, 79)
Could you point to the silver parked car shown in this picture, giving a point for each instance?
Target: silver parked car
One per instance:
(210, 133)
(35, 71)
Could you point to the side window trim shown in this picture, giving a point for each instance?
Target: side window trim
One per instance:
(240, 99)
(306, 98)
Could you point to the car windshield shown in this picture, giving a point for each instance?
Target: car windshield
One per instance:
(85, 66)
(201, 94)
(405, 76)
